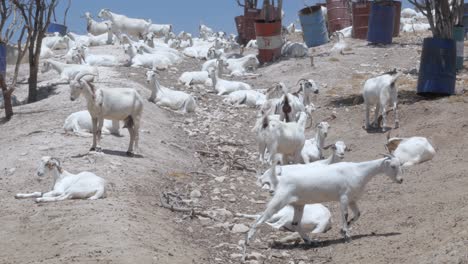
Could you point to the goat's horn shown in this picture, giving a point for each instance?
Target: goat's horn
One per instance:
(303, 79)
(82, 74)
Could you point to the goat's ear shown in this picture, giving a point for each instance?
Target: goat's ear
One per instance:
(348, 149)
(327, 147)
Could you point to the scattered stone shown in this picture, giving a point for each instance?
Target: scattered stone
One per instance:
(255, 256)
(216, 191)
(195, 194)
(220, 179)
(239, 228)
(236, 255)
(11, 171)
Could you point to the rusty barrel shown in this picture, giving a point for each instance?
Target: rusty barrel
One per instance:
(396, 21)
(269, 40)
(338, 15)
(245, 25)
(361, 12)
(313, 26)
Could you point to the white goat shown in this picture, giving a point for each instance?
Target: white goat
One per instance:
(160, 30)
(291, 28)
(80, 124)
(195, 77)
(96, 28)
(224, 86)
(69, 71)
(343, 182)
(316, 219)
(294, 50)
(265, 180)
(55, 42)
(289, 105)
(147, 60)
(84, 185)
(96, 59)
(283, 138)
(251, 98)
(175, 100)
(239, 67)
(411, 151)
(340, 46)
(205, 32)
(380, 91)
(121, 23)
(110, 103)
(313, 147)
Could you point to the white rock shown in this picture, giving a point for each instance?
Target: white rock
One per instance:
(239, 228)
(195, 194)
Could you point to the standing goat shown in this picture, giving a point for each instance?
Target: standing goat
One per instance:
(343, 182)
(380, 91)
(123, 24)
(84, 185)
(110, 103)
(284, 138)
(96, 28)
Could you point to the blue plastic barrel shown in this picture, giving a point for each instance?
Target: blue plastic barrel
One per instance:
(3, 58)
(313, 26)
(458, 36)
(381, 23)
(54, 27)
(465, 16)
(437, 71)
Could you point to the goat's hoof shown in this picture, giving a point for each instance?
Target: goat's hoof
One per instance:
(92, 149)
(130, 154)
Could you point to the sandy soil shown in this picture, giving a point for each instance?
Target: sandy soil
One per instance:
(424, 220)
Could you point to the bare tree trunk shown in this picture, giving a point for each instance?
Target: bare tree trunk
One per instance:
(6, 98)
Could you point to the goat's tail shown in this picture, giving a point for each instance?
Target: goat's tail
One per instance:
(286, 108)
(128, 122)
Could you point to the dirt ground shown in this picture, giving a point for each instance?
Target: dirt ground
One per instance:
(213, 151)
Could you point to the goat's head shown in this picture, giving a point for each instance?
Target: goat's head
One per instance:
(77, 85)
(151, 75)
(323, 129)
(47, 164)
(308, 85)
(104, 13)
(392, 167)
(211, 53)
(339, 148)
(46, 66)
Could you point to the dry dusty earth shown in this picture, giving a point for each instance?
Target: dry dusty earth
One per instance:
(424, 220)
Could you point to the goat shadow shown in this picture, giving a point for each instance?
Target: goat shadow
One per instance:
(109, 152)
(327, 243)
(120, 153)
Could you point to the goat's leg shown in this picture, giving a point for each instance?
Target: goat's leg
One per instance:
(115, 127)
(367, 115)
(52, 193)
(296, 223)
(100, 123)
(384, 116)
(261, 151)
(397, 120)
(99, 193)
(28, 195)
(131, 131)
(273, 207)
(344, 218)
(376, 116)
(94, 121)
(356, 212)
(54, 199)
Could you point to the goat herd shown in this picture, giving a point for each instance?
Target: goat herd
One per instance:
(301, 181)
